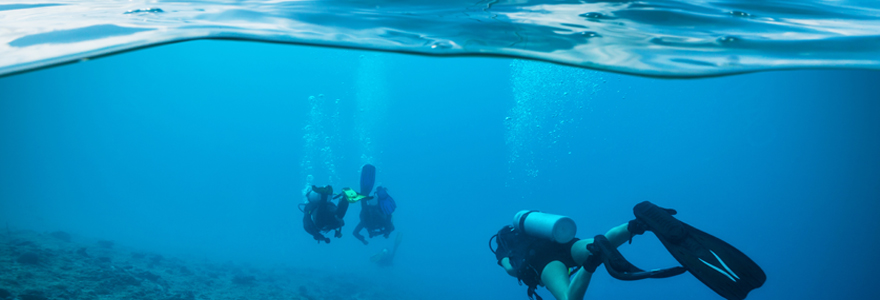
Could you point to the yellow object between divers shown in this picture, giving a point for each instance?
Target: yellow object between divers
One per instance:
(352, 196)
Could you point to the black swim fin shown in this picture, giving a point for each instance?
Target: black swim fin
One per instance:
(368, 178)
(720, 266)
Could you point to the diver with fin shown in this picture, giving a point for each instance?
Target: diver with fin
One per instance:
(376, 212)
(320, 215)
(541, 249)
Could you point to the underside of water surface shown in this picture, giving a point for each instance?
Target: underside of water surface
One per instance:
(661, 38)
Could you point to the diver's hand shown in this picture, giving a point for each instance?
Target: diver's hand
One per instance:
(321, 238)
(364, 241)
(338, 234)
(636, 227)
(387, 234)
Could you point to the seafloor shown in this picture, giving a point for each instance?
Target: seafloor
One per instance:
(57, 265)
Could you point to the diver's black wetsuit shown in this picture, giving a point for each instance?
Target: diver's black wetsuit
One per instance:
(323, 215)
(374, 220)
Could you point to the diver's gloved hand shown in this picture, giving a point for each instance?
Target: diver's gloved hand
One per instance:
(338, 234)
(637, 227)
(594, 260)
(364, 241)
(387, 234)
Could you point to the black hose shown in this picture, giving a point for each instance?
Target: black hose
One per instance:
(490, 243)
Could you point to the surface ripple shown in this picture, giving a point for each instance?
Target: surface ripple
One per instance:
(651, 38)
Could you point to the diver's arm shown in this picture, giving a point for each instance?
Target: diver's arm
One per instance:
(505, 263)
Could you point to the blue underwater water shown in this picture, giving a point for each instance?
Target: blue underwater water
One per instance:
(202, 149)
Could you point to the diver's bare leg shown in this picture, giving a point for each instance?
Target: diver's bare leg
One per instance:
(555, 278)
(617, 236)
(579, 284)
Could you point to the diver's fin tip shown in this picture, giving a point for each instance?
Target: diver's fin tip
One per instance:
(368, 178)
(719, 265)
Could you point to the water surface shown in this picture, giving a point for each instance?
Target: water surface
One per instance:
(654, 38)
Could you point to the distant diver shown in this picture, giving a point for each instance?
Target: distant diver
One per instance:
(376, 212)
(541, 249)
(321, 215)
(386, 257)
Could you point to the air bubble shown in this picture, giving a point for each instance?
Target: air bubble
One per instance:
(152, 10)
(727, 40)
(592, 15)
(740, 14)
(441, 45)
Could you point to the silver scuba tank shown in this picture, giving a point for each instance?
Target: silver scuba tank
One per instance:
(560, 229)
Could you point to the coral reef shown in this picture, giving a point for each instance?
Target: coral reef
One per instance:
(43, 266)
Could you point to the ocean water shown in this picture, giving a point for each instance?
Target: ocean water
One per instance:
(201, 149)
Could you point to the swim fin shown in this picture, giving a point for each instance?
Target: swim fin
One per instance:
(720, 266)
(368, 178)
(385, 257)
(379, 256)
(397, 240)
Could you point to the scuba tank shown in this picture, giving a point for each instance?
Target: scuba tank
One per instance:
(560, 229)
(311, 196)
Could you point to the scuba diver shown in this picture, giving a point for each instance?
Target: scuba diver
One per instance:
(540, 249)
(376, 216)
(376, 212)
(321, 215)
(386, 257)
